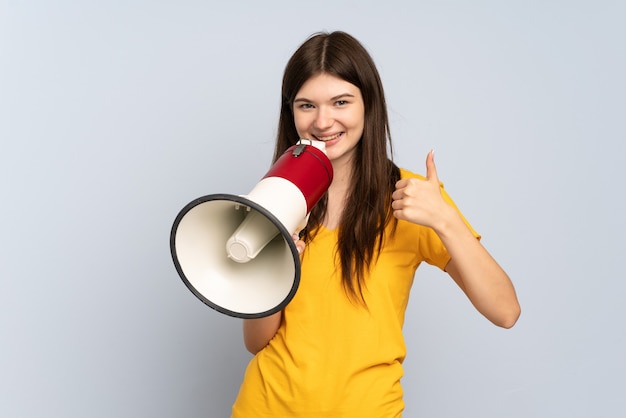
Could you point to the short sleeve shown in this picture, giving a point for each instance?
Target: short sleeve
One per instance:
(430, 246)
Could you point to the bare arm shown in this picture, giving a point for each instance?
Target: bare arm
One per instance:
(484, 282)
(475, 271)
(257, 333)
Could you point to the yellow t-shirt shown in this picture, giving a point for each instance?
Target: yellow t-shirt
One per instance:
(331, 357)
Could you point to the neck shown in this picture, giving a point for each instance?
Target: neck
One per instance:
(337, 194)
(342, 177)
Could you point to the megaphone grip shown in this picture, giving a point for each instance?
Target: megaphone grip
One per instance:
(310, 171)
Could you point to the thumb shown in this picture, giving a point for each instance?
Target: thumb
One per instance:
(431, 170)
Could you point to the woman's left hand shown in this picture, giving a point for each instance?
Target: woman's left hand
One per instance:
(481, 278)
(420, 201)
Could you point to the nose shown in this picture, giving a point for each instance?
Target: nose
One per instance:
(323, 118)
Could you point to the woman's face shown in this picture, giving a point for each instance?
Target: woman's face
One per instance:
(330, 109)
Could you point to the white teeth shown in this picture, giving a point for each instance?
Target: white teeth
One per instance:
(329, 138)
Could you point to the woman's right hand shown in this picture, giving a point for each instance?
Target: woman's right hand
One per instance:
(299, 244)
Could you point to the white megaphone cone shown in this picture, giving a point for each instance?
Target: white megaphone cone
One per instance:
(236, 252)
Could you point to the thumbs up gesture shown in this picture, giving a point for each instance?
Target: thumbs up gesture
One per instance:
(420, 201)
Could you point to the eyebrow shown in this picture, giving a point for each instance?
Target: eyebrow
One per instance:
(332, 99)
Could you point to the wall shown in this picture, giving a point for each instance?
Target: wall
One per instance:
(114, 115)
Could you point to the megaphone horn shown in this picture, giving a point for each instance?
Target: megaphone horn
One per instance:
(236, 252)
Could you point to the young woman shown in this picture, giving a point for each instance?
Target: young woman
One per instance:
(337, 349)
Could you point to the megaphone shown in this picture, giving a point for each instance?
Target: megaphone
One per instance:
(236, 252)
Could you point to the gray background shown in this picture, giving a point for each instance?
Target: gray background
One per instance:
(114, 115)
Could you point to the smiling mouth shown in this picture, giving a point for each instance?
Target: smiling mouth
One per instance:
(328, 138)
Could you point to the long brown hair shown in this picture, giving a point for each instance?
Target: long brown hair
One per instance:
(368, 207)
